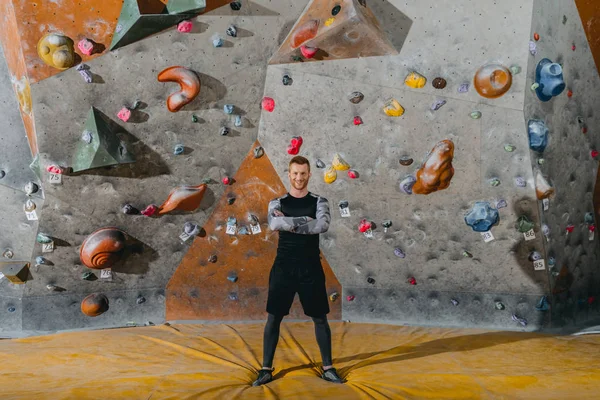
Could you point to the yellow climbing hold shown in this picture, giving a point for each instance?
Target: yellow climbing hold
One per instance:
(339, 164)
(330, 175)
(393, 109)
(329, 21)
(415, 80)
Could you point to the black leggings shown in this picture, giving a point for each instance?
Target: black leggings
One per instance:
(271, 337)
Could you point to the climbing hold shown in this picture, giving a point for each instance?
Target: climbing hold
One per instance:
(185, 26)
(520, 181)
(233, 296)
(224, 131)
(228, 108)
(268, 104)
(330, 175)
(125, 114)
(295, 144)
(29, 206)
(31, 188)
(102, 248)
(130, 210)
(191, 228)
(501, 204)
(232, 277)
(536, 36)
(463, 88)
(226, 180)
(334, 296)
(2, 173)
(258, 152)
(86, 46)
(393, 109)
(543, 190)
(232, 31)
(454, 301)
(85, 73)
(319, 163)
(476, 114)
(570, 228)
(407, 184)
(8, 253)
(412, 281)
(546, 233)
(56, 51)
(364, 225)
(466, 254)
(189, 83)
(437, 104)
(492, 80)
(520, 320)
(150, 210)
(287, 80)
(343, 204)
(482, 217)
(540, 161)
(357, 120)
(415, 80)
(535, 86)
(195, 118)
(237, 121)
(94, 305)
(524, 224)
(87, 136)
(252, 219)
(140, 300)
(399, 253)
(594, 153)
(509, 148)
(542, 305)
(217, 40)
(230, 201)
(535, 256)
(370, 280)
(43, 238)
(39, 260)
(538, 135)
(549, 75)
(52, 287)
(235, 5)
(439, 83)
(183, 198)
(532, 48)
(304, 33)
(515, 69)
(336, 10)
(437, 170)
(53, 169)
(499, 306)
(212, 258)
(569, 93)
(588, 218)
(231, 221)
(308, 52)
(350, 297)
(86, 276)
(356, 97)
(406, 161)
(573, 47)
(178, 149)
(564, 19)
(339, 164)
(352, 174)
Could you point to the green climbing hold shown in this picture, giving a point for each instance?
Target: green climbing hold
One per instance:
(535, 86)
(495, 182)
(194, 118)
(540, 161)
(515, 69)
(476, 114)
(524, 224)
(466, 254)
(42, 238)
(87, 276)
(509, 147)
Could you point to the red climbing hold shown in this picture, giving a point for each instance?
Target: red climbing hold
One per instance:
(592, 227)
(573, 47)
(226, 180)
(268, 104)
(364, 225)
(591, 299)
(352, 174)
(53, 169)
(584, 129)
(150, 210)
(350, 298)
(536, 36)
(569, 93)
(594, 153)
(358, 120)
(412, 281)
(308, 52)
(124, 114)
(294, 146)
(570, 228)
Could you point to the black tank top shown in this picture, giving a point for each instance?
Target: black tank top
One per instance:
(292, 246)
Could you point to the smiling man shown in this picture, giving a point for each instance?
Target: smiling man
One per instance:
(299, 216)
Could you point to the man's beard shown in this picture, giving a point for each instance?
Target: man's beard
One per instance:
(299, 186)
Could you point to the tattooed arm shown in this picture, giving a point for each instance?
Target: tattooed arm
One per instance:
(278, 222)
(318, 225)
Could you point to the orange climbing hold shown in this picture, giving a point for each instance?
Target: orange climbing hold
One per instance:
(492, 80)
(183, 198)
(305, 32)
(437, 170)
(188, 81)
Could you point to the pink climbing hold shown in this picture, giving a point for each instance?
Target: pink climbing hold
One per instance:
(150, 210)
(352, 174)
(124, 114)
(308, 52)
(592, 227)
(294, 146)
(86, 46)
(573, 47)
(364, 226)
(53, 169)
(185, 26)
(594, 153)
(570, 229)
(358, 120)
(226, 180)
(412, 281)
(268, 104)
(350, 298)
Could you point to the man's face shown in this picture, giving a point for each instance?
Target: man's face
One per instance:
(299, 176)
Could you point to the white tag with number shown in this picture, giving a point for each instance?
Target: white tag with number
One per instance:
(539, 265)
(231, 229)
(255, 229)
(529, 235)
(48, 247)
(591, 235)
(55, 178)
(345, 212)
(487, 236)
(546, 204)
(184, 236)
(106, 273)
(31, 215)
(369, 234)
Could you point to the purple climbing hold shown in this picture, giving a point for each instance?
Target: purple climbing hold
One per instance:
(454, 301)
(84, 71)
(522, 321)
(535, 256)
(463, 88)
(437, 104)
(407, 184)
(501, 204)
(520, 181)
(399, 253)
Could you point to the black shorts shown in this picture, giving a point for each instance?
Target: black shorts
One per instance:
(305, 278)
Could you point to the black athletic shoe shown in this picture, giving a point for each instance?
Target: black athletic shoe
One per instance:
(331, 376)
(264, 376)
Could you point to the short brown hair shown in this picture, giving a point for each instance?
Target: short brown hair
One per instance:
(299, 160)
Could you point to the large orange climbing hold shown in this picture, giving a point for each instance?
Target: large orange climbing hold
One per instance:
(183, 198)
(492, 80)
(188, 80)
(305, 32)
(94, 305)
(102, 248)
(437, 170)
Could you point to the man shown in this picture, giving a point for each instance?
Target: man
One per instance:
(299, 216)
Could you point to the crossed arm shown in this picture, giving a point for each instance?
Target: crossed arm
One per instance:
(300, 225)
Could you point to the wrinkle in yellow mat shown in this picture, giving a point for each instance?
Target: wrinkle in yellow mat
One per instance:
(378, 362)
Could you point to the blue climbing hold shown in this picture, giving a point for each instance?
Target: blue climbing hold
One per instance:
(538, 135)
(549, 77)
(482, 216)
(542, 305)
(228, 108)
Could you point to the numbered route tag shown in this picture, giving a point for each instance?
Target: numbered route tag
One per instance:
(184, 236)
(591, 235)
(529, 235)
(31, 215)
(487, 236)
(546, 204)
(345, 212)
(55, 178)
(231, 229)
(369, 234)
(106, 273)
(539, 265)
(48, 247)
(255, 229)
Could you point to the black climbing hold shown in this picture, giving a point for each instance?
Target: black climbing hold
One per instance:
(224, 131)
(230, 199)
(371, 280)
(130, 210)
(320, 164)
(140, 300)
(336, 10)
(235, 5)
(11, 309)
(232, 31)
(297, 59)
(212, 258)
(287, 80)
(343, 204)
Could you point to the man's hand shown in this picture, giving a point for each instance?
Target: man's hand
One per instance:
(278, 213)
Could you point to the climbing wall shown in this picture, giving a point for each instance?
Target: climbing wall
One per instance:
(422, 148)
